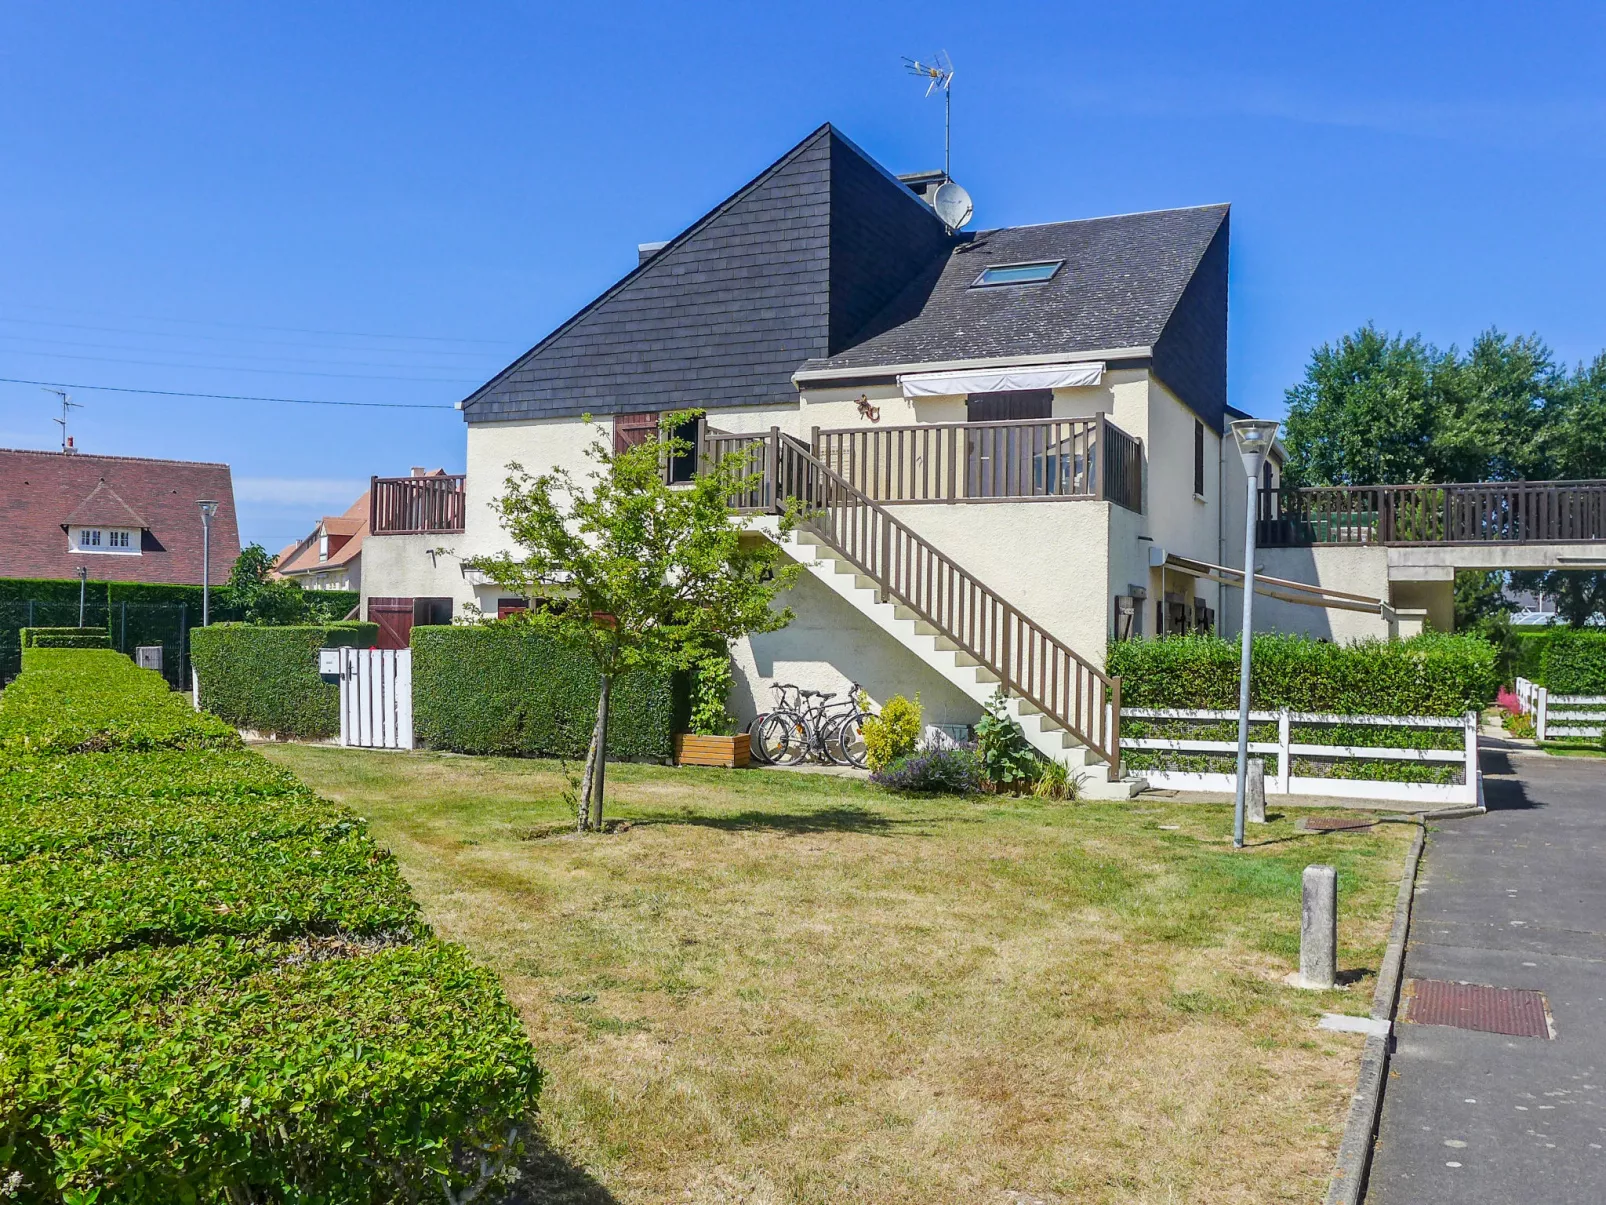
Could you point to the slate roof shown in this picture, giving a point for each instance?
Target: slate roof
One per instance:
(1120, 282)
(40, 492)
(825, 261)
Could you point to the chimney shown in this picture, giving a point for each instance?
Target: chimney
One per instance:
(645, 251)
(924, 184)
(420, 471)
(70, 449)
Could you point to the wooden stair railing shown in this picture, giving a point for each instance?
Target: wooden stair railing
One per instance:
(1028, 661)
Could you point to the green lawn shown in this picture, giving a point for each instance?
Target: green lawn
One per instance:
(776, 987)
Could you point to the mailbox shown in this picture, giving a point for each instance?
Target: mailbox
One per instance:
(148, 656)
(329, 663)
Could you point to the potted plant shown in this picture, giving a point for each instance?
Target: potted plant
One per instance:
(712, 740)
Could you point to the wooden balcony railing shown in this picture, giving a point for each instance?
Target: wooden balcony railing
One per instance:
(407, 506)
(1518, 512)
(972, 462)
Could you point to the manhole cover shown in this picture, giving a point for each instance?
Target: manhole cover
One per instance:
(1515, 1011)
(1335, 824)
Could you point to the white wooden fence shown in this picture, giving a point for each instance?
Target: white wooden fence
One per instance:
(1561, 715)
(376, 698)
(1280, 778)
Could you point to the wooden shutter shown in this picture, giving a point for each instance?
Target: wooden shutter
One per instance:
(632, 429)
(1198, 458)
(395, 619)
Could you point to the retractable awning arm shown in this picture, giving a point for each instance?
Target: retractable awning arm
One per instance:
(1300, 593)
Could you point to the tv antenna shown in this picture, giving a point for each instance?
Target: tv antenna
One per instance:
(940, 73)
(66, 404)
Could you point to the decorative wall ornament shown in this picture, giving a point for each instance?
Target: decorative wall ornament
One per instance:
(866, 410)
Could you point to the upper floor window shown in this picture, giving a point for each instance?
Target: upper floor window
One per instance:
(1017, 274)
(323, 547)
(106, 539)
(1198, 459)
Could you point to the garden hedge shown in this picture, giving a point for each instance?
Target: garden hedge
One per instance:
(1430, 675)
(65, 638)
(1574, 662)
(266, 678)
(508, 688)
(1436, 675)
(214, 987)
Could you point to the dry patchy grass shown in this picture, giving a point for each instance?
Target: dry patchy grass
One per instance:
(793, 988)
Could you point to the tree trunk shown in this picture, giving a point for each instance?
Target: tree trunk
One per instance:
(600, 742)
(583, 817)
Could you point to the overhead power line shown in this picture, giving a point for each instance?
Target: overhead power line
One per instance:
(191, 335)
(32, 342)
(292, 330)
(275, 372)
(233, 397)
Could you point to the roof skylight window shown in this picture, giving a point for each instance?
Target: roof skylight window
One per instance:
(1017, 274)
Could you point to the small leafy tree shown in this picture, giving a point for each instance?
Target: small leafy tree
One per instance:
(260, 596)
(633, 571)
(894, 733)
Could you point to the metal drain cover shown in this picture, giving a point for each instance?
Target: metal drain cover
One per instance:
(1518, 1012)
(1335, 824)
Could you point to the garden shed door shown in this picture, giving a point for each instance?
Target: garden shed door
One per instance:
(376, 698)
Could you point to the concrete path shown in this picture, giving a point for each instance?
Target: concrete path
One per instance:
(1516, 899)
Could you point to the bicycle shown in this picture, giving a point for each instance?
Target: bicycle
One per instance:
(828, 732)
(755, 742)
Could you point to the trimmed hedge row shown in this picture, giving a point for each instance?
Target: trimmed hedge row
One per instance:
(214, 987)
(507, 688)
(1574, 662)
(1435, 675)
(65, 638)
(266, 678)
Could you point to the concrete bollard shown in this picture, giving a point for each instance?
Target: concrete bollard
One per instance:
(1255, 791)
(1318, 928)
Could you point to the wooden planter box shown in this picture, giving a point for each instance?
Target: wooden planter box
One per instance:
(733, 751)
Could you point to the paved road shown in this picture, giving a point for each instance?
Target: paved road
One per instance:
(1517, 899)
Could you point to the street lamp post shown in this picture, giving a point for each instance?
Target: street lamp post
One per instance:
(83, 589)
(208, 509)
(1255, 437)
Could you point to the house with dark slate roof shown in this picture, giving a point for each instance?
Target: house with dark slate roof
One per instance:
(1028, 422)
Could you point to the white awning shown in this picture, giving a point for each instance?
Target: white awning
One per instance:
(1000, 380)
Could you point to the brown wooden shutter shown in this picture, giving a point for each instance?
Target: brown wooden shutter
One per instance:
(1198, 458)
(630, 430)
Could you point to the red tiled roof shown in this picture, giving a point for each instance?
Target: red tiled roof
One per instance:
(42, 491)
(303, 557)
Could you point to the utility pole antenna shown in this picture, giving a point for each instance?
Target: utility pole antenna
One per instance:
(66, 404)
(940, 71)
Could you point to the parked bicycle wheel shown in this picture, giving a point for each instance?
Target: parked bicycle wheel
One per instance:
(755, 740)
(784, 738)
(847, 745)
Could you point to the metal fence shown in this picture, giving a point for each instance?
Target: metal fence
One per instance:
(129, 625)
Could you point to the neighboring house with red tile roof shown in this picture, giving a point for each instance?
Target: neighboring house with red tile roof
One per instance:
(124, 518)
(331, 557)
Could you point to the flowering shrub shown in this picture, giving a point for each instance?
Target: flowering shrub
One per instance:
(1506, 699)
(954, 771)
(894, 733)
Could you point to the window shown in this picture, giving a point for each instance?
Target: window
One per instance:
(117, 539)
(89, 537)
(323, 547)
(1198, 459)
(1017, 274)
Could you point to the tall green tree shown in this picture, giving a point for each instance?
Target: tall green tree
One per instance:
(1494, 406)
(635, 572)
(260, 596)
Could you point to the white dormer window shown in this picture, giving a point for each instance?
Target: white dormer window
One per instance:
(123, 540)
(323, 547)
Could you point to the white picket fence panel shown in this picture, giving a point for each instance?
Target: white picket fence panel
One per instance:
(376, 698)
(1281, 781)
(1561, 715)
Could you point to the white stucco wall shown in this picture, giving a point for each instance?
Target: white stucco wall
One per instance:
(829, 645)
(402, 567)
(1355, 569)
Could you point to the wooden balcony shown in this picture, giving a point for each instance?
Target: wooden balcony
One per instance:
(1516, 512)
(412, 506)
(1032, 459)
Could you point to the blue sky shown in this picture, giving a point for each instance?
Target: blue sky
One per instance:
(388, 202)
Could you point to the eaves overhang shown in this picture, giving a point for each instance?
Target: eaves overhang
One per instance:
(1114, 357)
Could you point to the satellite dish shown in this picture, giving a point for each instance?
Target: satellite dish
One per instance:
(953, 204)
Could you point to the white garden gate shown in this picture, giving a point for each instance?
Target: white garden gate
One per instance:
(376, 698)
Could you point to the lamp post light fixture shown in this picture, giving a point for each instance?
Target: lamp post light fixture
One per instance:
(1255, 437)
(208, 509)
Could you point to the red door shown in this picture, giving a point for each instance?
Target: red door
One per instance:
(395, 619)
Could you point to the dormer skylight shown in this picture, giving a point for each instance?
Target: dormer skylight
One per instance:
(1017, 274)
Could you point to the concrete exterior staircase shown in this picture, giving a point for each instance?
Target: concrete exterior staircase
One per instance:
(927, 642)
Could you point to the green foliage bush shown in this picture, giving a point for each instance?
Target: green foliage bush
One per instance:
(509, 689)
(1008, 760)
(266, 678)
(711, 687)
(214, 987)
(95, 700)
(894, 733)
(1574, 662)
(65, 638)
(1433, 675)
